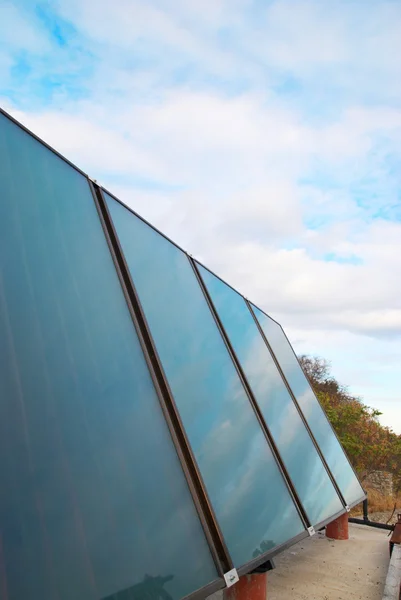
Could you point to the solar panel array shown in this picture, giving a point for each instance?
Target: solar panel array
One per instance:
(156, 429)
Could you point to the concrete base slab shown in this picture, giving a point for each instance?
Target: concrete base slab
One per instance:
(318, 568)
(322, 569)
(392, 589)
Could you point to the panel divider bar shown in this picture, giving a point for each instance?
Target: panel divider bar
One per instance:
(308, 380)
(301, 414)
(253, 401)
(184, 451)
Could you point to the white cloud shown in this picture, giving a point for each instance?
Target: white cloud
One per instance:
(18, 32)
(263, 186)
(291, 25)
(190, 138)
(92, 145)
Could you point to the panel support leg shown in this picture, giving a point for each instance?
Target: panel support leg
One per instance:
(249, 587)
(338, 529)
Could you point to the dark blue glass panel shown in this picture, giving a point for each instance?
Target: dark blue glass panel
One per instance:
(313, 412)
(92, 496)
(252, 503)
(292, 439)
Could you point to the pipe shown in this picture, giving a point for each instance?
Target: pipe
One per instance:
(371, 523)
(365, 510)
(367, 521)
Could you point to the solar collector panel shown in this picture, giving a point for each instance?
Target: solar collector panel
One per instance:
(94, 501)
(321, 429)
(251, 501)
(93, 498)
(308, 474)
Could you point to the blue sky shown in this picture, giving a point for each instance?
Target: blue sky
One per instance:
(265, 137)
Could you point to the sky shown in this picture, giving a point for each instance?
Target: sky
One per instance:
(262, 136)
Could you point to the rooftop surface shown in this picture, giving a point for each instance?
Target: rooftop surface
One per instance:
(319, 568)
(322, 569)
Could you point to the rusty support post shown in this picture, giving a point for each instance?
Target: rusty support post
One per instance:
(249, 587)
(396, 536)
(338, 529)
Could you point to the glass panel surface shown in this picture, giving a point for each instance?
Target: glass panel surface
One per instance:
(93, 499)
(313, 412)
(252, 503)
(292, 439)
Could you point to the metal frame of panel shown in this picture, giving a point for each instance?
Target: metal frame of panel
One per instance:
(253, 564)
(217, 548)
(346, 507)
(249, 304)
(355, 503)
(187, 460)
(305, 422)
(255, 402)
(209, 522)
(269, 439)
(264, 557)
(252, 399)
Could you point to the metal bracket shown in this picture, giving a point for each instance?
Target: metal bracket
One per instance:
(231, 577)
(311, 531)
(347, 508)
(264, 567)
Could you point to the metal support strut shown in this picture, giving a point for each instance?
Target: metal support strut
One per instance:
(367, 521)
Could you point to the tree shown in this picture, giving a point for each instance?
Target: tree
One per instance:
(369, 445)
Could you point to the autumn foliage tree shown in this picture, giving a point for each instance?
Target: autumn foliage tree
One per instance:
(369, 445)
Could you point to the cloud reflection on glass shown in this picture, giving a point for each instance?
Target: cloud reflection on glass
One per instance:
(313, 412)
(296, 448)
(92, 497)
(247, 491)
